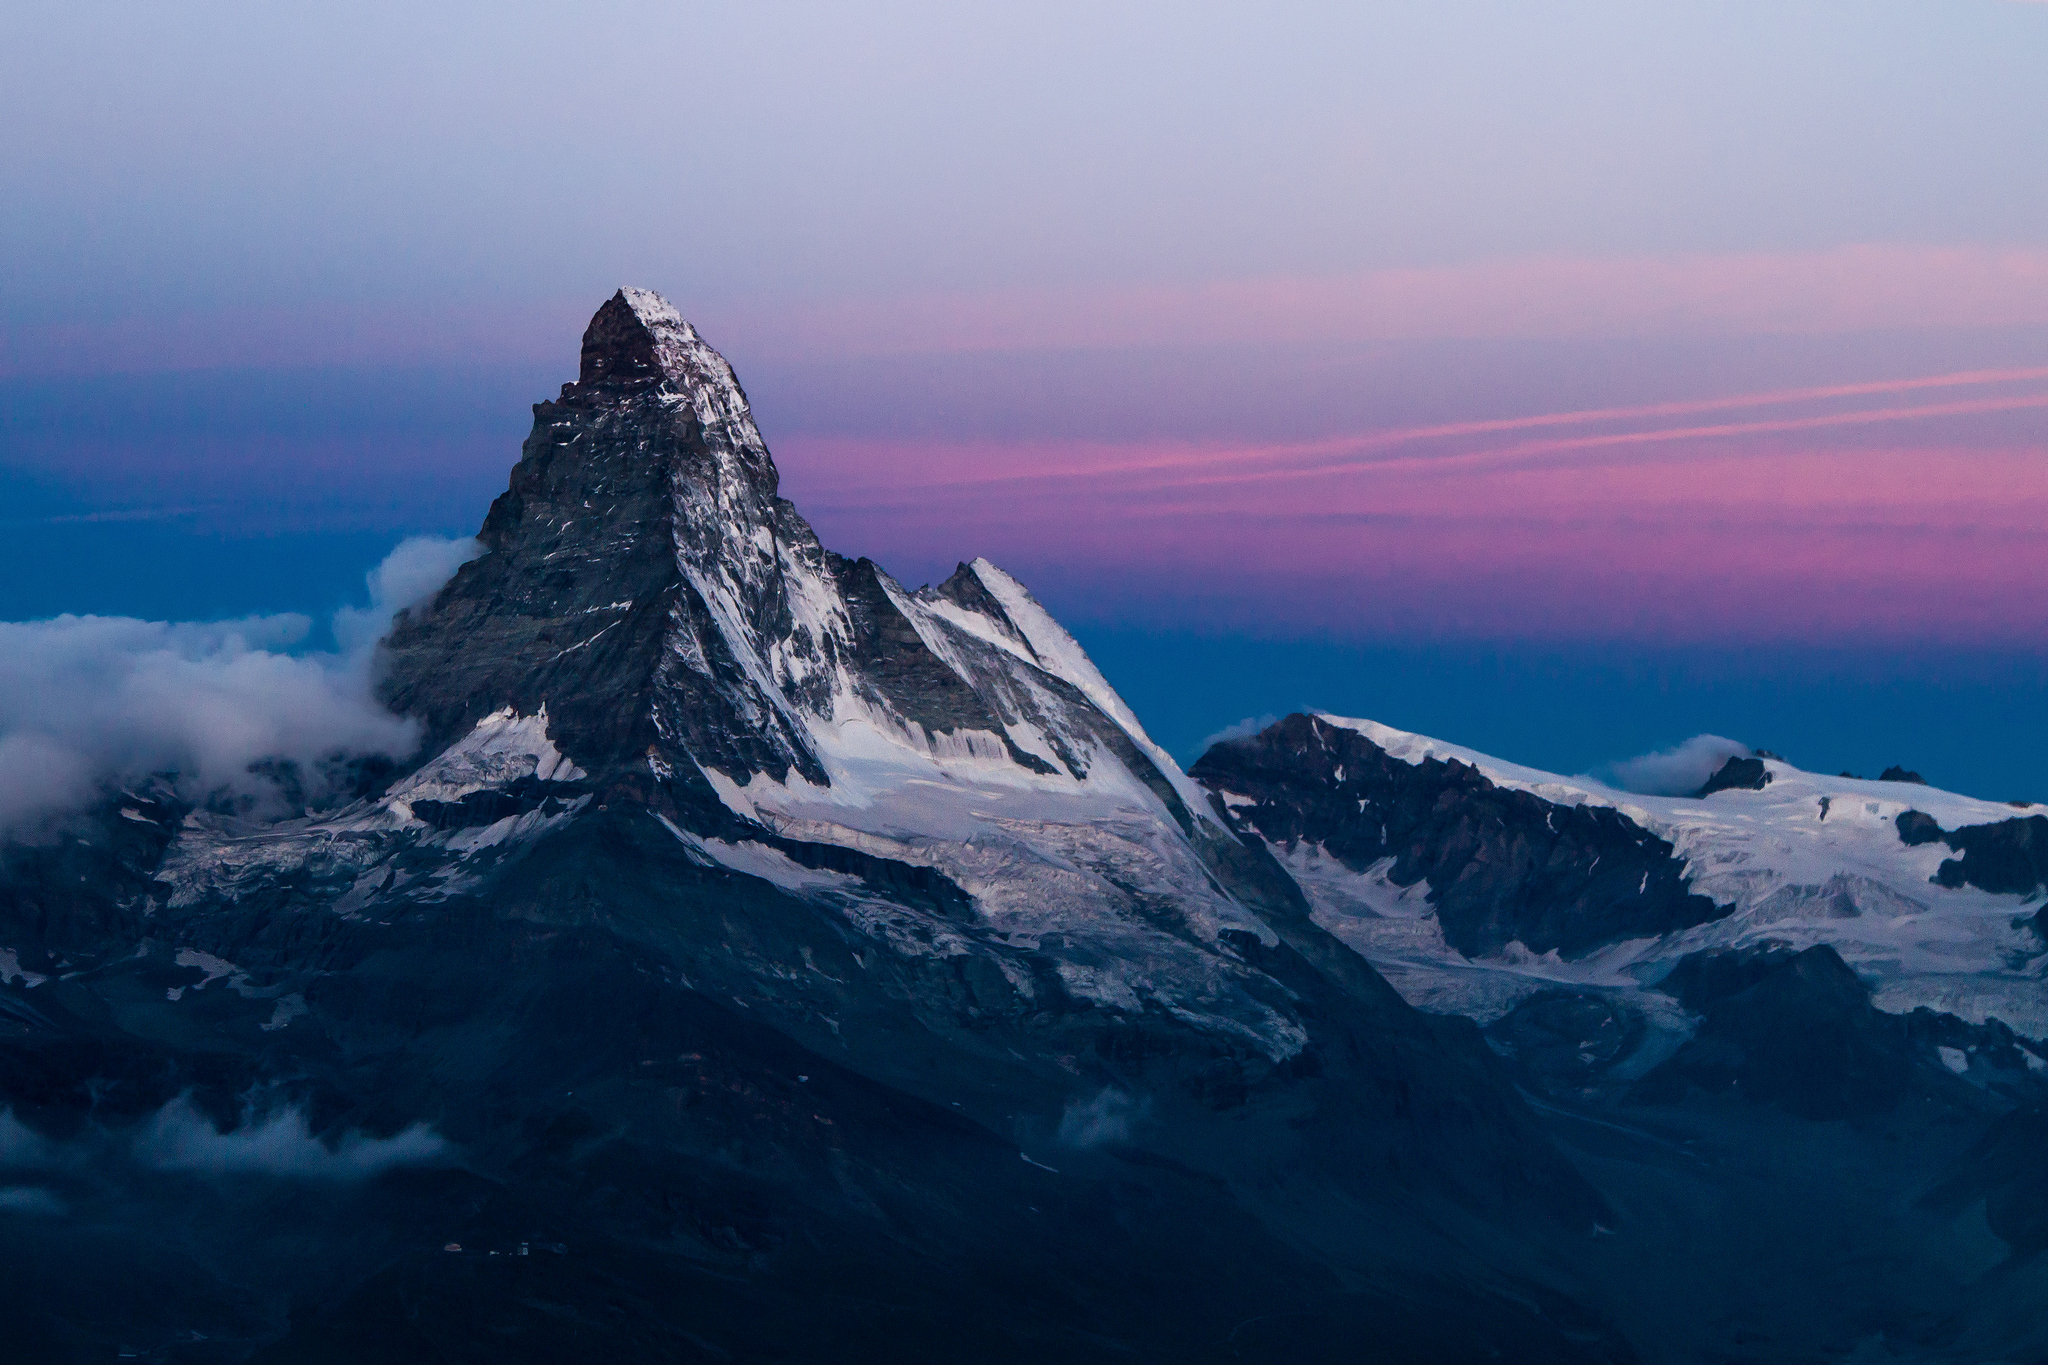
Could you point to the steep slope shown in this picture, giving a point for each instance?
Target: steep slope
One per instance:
(772, 962)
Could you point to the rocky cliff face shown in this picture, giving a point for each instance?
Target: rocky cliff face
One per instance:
(1502, 866)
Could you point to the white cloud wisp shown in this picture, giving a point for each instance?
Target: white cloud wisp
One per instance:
(1678, 771)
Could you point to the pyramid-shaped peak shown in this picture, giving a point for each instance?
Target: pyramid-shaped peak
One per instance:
(652, 309)
(638, 334)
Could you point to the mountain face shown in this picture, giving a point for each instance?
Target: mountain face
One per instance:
(762, 960)
(1505, 881)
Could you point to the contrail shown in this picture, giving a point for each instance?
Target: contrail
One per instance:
(1484, 458)
(1187, 460)
(1959, 379)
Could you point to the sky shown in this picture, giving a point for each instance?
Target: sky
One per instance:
(1563, 380)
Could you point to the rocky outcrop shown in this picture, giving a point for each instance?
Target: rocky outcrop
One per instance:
(1797, 1029)
(2009, 857)
(1791, 1029)
(1503, 866)
(1737, 774)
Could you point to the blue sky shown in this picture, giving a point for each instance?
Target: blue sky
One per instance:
(1117, 295)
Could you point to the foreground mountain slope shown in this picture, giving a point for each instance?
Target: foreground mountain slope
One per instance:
(760, 960)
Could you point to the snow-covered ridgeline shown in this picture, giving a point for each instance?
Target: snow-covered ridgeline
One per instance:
(1809, 859)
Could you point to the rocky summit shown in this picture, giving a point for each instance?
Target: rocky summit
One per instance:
(762, 960)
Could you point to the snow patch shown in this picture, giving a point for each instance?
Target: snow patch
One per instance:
(499, 750)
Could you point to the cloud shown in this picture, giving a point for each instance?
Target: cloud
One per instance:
(1242, 729)
(180, 1138)
(409, 575)
(1678, 771)
(90, 700)
(1106, 1118)
(1152, 468)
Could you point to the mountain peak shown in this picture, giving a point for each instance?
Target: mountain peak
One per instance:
(645, 580)
(638, 335)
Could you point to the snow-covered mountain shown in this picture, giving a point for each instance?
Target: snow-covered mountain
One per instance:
(825, 967)
(1474, 884)
(761, 959)
(696, 650)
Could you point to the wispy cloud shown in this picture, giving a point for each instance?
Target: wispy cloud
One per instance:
(1678, 771)
(1526, 450)
(1924, 519)
(1179, 463)
(273, 1140)
(281, 1143)
(1243, 729)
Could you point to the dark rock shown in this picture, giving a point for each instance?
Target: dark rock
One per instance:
(1563, 1040)
(1898, 774)
(88, 879)
(1700, 981)
(1797, 1030)
(1737, 774)
(1503, 866)
(2010, 857)
(1917, 827)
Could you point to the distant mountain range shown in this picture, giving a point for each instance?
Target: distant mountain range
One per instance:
(762, 960)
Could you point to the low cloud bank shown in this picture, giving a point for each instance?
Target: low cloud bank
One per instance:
(179, 1138)
(1678, 771)
(87, 701)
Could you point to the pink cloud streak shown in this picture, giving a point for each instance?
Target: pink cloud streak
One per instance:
(928, 465)
(1738, 530)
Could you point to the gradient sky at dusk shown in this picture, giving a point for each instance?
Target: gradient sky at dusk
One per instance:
(1563, 379)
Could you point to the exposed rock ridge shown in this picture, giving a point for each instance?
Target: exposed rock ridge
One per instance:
(1739, 773)
(2008, 857)
(1503, 866)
